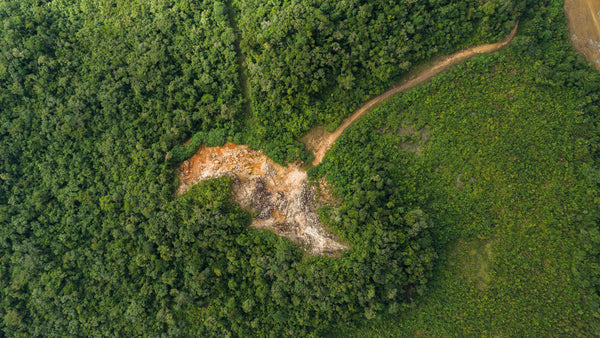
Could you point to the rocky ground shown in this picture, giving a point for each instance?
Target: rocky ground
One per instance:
(280, 198)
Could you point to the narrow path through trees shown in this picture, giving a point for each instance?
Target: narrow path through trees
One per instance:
(242, 75)
(327, 140)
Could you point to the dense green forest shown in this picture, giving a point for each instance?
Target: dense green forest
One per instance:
(94, 95)
(313, 62)
(98, 96)
(507, 170)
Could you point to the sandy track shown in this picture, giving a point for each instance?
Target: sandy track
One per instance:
(328, 139)
(584, 26)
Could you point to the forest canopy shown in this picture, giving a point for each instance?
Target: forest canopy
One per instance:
(313, 62)
(98, 98)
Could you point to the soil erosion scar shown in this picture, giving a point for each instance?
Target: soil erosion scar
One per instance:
(280, 197)
(329, 139)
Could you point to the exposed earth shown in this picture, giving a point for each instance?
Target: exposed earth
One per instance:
(584, 27)
(280, 198)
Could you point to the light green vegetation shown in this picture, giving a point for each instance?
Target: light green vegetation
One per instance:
(473, 258)
(314, 61)
(97, 97)
(508, 179)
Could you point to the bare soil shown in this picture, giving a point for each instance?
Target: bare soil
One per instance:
(280, 198)
(321, 141)
(584, 27)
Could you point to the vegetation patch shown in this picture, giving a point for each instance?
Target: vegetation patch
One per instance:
(474, 258)
(313, 62)
(521, 144)
(98, 97)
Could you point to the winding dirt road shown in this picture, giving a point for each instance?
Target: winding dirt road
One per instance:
(280, 197)
(328, 139)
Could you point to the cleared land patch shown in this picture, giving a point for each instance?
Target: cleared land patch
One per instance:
(584, 27)
(474, 258)
(280, 198)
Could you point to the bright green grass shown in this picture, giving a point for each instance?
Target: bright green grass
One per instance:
(508, 228)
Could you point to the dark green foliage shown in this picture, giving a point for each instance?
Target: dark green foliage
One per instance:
(271, 290)
(97, 97)
(313, 62)
(94, 95)
(181, 153)
(508, 175)
(215, 137)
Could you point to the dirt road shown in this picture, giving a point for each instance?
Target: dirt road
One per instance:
(328, 139)
(584, 26)
(280, 197)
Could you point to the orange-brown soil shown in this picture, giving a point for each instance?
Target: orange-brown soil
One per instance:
(584, 26)
(280, 198)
